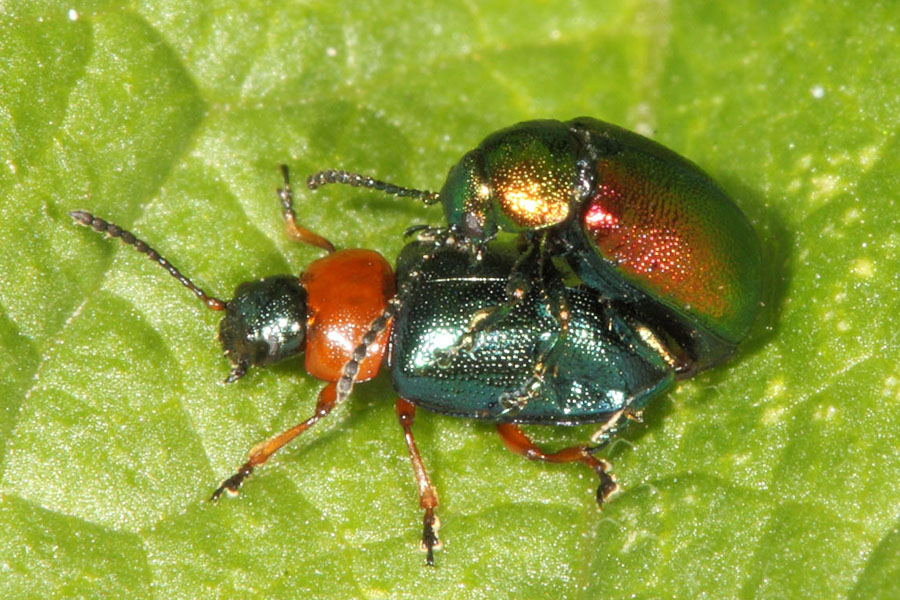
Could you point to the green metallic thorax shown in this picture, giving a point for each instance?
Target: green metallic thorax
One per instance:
(518, 179)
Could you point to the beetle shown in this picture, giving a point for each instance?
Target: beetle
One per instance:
(349, 315)
(641, 225)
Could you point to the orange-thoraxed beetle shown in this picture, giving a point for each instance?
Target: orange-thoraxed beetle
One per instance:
(349, 315)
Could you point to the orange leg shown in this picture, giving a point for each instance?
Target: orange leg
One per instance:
(294, 231)
(428, 497)
(520, 443)
(261, 452)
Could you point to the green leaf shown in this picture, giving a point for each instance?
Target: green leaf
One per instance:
(773, 476)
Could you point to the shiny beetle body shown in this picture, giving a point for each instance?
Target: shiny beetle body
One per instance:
(606, 363)
(637, 222)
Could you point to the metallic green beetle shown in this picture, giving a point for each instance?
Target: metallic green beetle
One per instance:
(641, 225)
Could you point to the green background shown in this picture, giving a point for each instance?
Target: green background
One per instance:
(775, 476)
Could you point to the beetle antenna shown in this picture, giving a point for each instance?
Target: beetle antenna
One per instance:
(317, 180)
(112, 230)
(351, 367)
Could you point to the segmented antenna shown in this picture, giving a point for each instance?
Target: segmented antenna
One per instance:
(350, 368)
(112, 230)
(317, 180)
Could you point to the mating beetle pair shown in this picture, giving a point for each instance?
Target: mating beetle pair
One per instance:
(642, 226)
(478, 331)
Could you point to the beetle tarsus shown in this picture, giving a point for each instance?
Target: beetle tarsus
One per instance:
(232, 485)
(608, 486)
(294, 231)
(430, 540)
(239, 370)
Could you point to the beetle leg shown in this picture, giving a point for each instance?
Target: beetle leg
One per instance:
(614, 424)
(294, 231)
(517, 287)
(554, 295)
(516, 440)
(260, 453)
(428, 497)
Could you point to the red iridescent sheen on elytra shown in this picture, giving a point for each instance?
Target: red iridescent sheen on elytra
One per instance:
(660, 241)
